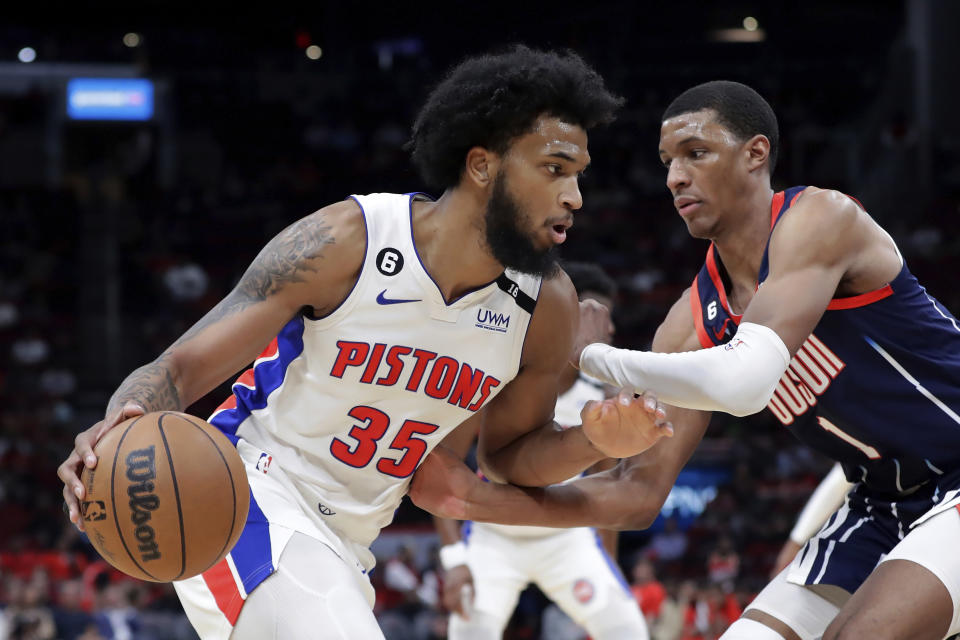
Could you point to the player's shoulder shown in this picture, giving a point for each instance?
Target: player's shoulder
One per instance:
(823, 218)
(557, 307)
(823, 208)
(557, 294)
(677, 332)
(344, 217)
(554, 321)
(339, 229)
(325, 246)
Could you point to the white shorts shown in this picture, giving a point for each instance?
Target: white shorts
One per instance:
(935, 545)
(213, 600)
(570, 567)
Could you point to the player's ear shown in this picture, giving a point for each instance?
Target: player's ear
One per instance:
(481, 167)
(757, 151)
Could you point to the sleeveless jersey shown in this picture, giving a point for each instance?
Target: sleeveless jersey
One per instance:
(876, 386)
(349, 404)
(566, 414)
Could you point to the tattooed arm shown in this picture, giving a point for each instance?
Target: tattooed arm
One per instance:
(312, 263)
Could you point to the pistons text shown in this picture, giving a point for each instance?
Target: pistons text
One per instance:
(440, 377)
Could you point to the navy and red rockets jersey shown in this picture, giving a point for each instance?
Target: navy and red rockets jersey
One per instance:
(876, 386)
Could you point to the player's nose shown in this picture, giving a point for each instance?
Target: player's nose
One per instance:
(677, 178)
(570, 196)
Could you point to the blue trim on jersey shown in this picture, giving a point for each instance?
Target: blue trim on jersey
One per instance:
(267, 375)
(414, 194)
(466, 529)
(253, 553)
(614, 567)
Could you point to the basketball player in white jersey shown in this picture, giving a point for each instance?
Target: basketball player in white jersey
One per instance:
(486, 570)
(383, 322)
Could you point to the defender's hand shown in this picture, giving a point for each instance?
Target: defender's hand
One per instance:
(458, 590)
(625, 425)
(82, 455)
(595, 326)
(442, 485)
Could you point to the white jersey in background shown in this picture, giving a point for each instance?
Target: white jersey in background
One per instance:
(570, 566)
(337, 413)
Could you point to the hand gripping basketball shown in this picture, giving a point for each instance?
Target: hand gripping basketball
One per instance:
(168, 498)
(625, 425)
(84, 456)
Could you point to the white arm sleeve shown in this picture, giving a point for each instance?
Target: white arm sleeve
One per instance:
(737, 378)
(826, 498)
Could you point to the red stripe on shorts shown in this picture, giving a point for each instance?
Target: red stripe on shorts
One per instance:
(222, 585)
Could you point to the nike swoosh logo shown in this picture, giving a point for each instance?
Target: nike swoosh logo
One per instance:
(382, 299)
(723, 330)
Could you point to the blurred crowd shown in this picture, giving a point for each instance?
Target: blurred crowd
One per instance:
(102, 270)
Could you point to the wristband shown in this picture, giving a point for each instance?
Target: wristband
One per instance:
(453, 555)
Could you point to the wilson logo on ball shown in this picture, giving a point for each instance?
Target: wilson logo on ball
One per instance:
(170, 498)
(142, 471)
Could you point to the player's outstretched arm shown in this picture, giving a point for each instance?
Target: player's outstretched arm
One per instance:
(519, 441)
(807, 268)
(312, 263)
(629, 496)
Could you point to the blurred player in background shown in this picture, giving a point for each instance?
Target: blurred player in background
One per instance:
(383, 322)
(804, 305)
(825, 500)
(576, 568)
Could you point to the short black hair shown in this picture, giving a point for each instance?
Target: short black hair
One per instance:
(586, 276)
(491, 99)
(739, 108)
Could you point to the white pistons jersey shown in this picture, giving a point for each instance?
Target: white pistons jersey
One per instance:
(349, 404)
(566, 414)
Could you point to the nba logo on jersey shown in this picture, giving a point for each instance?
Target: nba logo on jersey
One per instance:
(263, 464)
(583, 591)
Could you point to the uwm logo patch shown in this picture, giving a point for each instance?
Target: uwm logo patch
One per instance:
(811, 372)
(492, 320)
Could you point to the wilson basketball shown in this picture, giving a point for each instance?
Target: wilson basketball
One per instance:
(168, 497)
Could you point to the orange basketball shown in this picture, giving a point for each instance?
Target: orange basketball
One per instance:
(168, 497)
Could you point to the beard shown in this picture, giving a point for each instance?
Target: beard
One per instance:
(513, 247)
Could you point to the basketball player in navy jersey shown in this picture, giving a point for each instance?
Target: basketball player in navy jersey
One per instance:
(382, 323)
(804, 305)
